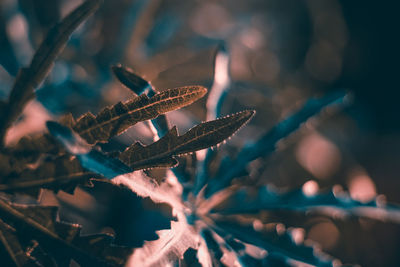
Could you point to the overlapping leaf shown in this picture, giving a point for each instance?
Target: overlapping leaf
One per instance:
(131, 80)
(64, 172)
(115, 120)
(278, 245)
(328, 203)
(29, 78)
(11, 250)
(263, 147)
(61, 240)
(199, 137)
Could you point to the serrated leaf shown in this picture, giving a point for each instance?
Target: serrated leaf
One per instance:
(60, 240)
(199, 137)
(29, 78)
(62, 173)
(115, 120)
(11, 245)
(36, 145)
(90, 159)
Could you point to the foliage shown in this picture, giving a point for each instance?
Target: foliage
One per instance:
(206, 225)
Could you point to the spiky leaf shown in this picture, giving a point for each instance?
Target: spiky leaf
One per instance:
(115, 120)
(62, 241)
(29, 78)
(63, 173)
(199, 137)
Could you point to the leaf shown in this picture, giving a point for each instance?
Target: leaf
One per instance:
(35, 146)
(201, 136)
(139, 85)
(338, 205)
(10, 243)
(215, 99)
(115, 120)
(62, 173)
(29, 78)
(263, 147)
(131, 80)
(170, 247)
(60, 240)
(101, 245)
(127, 213)
(277, 244)
(214, 248)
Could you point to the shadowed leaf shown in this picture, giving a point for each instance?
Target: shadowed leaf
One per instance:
(90, 159)
(101, 245)
(263, 147)
(63, 173)
(31, 148)
(278, 245)
(199, 137)
(11, 245)
(61, 240)
(115, 120)
(29, 78)
(329, 203)
(131, 80)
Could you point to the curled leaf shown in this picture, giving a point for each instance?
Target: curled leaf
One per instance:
(199, 137)
(116, 119)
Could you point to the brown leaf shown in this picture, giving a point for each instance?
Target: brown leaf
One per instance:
(29, 78)
(101, 244)
(116, 119)
(131, 80)
(10, 243)
(199, 137)
(62, 173)
(62, 240)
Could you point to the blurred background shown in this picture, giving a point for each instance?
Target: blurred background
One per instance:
(280, 54)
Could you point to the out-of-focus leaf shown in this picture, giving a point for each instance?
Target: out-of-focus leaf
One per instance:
(101, 245)
(204, 135)
(263, 147)
(36, 145)
(128, 213)
(213, 247)
(170, 247)
(276, 244)
(11, 245)
(131, 80)
(61, 240)
(216, 96)
(90, 159)
(113, 121)
(29, 78)
(329, 203)
(190, 259)
(63, 173)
